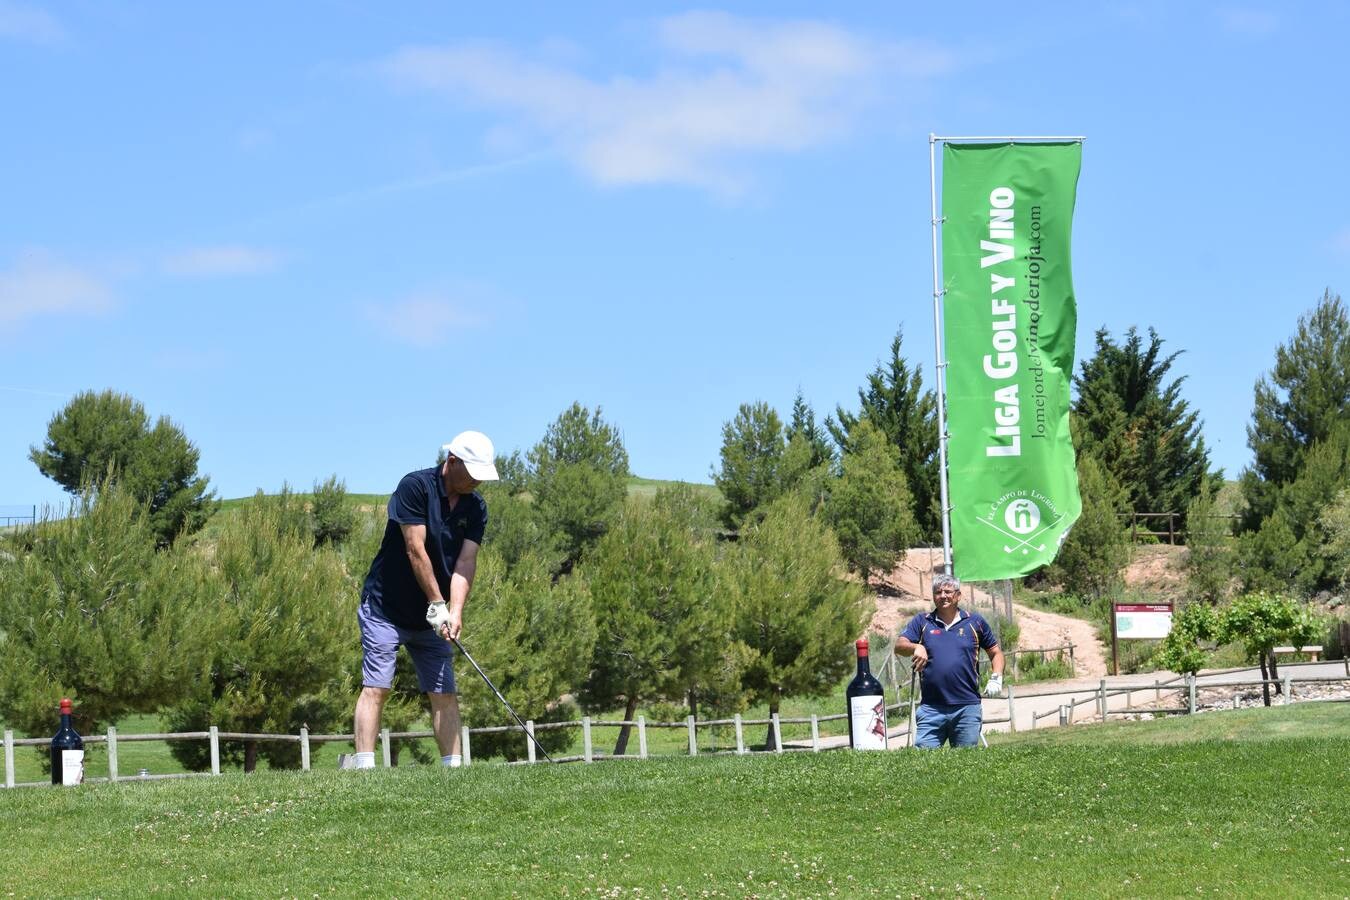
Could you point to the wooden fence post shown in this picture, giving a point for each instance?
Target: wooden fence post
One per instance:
(1065, 715)
(740, 735)
(815, 734)
(304, 748)
(693, 738)
(777, 735)
(1288, 689)
(112, 753)
(1190, 693)
(1012, 711)
(9, 758)
(1073, 668)
(642, 737)
(586, 750)
(529, 740)
(1103, 699)
(215, 750)
(385, 749)
(464, 744)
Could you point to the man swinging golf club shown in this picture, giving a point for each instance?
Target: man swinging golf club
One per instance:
(945, 644)
(415, 591)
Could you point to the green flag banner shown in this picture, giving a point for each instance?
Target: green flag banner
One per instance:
(1008, 322)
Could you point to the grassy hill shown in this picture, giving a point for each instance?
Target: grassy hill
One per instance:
(1127, 814)
(642, 487)
(370, 503)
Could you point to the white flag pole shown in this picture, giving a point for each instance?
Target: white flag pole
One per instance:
(941, 363)
(938, 293)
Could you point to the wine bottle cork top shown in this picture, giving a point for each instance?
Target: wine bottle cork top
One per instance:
(861, 644)
(65, 706)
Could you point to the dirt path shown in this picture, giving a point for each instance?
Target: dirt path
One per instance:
(904, 591)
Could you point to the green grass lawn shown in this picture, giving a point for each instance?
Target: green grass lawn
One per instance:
(1301, 720)
(647, 487)
(1126, 814)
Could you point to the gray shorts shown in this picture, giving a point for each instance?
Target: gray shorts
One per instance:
(432, 655)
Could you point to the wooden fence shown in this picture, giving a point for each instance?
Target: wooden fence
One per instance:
(306, 741)
(1099, 697)
(1172, 520)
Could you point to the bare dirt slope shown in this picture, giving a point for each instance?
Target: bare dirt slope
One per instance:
(904, 591)
(1158, 568)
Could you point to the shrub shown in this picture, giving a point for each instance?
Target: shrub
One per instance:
(278, 621)
(1182, 650)
(92, 612)
(1097, 548)
(333, 519)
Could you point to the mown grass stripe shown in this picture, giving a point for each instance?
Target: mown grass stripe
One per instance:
(1134, 814)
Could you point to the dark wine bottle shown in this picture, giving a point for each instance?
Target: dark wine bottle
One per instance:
(866, 706)
(67, 751)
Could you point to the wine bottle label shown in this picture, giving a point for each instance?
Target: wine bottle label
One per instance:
(72, 767)
(869, 722)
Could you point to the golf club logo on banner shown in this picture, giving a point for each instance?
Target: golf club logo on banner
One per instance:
(1009, 320)
(1022, 523)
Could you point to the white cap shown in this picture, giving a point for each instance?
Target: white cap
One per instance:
(475, 450)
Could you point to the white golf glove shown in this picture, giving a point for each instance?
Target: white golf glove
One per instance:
(438, 615)
(995, 686)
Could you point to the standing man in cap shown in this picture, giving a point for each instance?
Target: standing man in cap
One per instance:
(946, 644)
(415, 591)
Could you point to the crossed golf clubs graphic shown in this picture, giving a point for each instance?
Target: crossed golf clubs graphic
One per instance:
(1023, 543)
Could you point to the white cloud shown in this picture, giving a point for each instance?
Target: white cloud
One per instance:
(725, 88)
(423, 319)
(1249, 22)
(225, 259)
(39, 284)
(29, 24)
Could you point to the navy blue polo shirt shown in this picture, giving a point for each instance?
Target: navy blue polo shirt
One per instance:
(420, 499)
(951, 677)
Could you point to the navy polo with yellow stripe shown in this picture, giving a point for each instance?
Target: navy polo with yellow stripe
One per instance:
(951, 677)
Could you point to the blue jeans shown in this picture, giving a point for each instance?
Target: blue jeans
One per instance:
(957, 725)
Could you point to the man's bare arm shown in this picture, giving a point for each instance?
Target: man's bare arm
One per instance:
(415, 540)
(905, 647)
(461, 582)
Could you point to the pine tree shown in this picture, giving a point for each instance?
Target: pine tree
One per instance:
(578, 477)
(534, 636)
(751, 473)
(1209, 553)
(92, 612)
(1274, 561)
(277, 622)
(815, 437)
(895, 402)
(1335, 523)
(1097, 548)
(661, 622)
(794, 612)
(97, 436)
(870, 507)
(1135, 422)
(1296, 404)
(333, 519)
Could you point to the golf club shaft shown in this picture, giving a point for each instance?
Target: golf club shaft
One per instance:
(488, 682)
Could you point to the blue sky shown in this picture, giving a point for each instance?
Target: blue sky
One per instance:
(325, 237)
